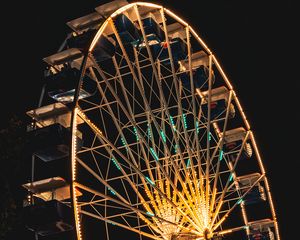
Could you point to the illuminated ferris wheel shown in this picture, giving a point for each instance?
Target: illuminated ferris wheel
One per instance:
(158, 144)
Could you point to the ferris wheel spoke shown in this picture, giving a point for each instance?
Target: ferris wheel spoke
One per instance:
(126, 205)
(230, 230)
(146, 234)
(238, 202)
(221, 149)
(155, 71)
(147, 106)
(196, 121)
(149, 116)
(220, 200)
(180, 111)
(132, 119)
(141, 139)
(208, 133)
(101, 180)
(114, 117)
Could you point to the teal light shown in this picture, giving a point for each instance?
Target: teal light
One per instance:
(124, 143)
(209, 136)
(172, 123)
(175, 148)
(240, 201)
(136, 134)
(231, 177)
(197, 127)
(150, 214)
(116, 163)
(149, 132)
(112, 192)
(188, 163)
(163, 136)
(154, 154)
(184, 120)
(221, 155)
(149, 180)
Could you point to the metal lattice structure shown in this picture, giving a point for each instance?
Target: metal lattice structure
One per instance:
(160, 145)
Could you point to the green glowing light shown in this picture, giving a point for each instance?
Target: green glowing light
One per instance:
(184, 120)
(163, 136)
(150, 214)
(112, 192)
(136, 133)
(197, 127)
(116, 163)
(154, 154)
(221, 155)
(175, 148)
(124, 143)
(149, 131)
(149, 180)
(172, 122)
(188, 163)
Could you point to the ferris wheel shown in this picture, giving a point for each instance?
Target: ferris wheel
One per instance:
(145, 136)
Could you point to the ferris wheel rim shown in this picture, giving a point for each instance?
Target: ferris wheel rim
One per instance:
(75, 111)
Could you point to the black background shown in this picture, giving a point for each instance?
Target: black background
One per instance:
(254, 41)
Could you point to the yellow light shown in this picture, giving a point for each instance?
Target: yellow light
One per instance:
(242, 112)
(99, 33)
(199, 92)
(148, 4)
(73, 163)
(191, 29)
(257, 153)
(222, 72)
(225, 232)
(122, 9)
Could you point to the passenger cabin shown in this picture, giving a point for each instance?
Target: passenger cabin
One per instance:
(233, 141)
(262, 230)
(50, 114)
(50, 140)
(251, 186)
(61, 86)
(176, 30)
(178, 50)
(158, 46)
(218, 103)
(200, 71)
(126, 29)
(85, 23)
(153, 31)
(49, 218)
(54, 188)
(105, 10)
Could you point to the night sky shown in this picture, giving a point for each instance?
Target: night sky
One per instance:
(253, 41)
